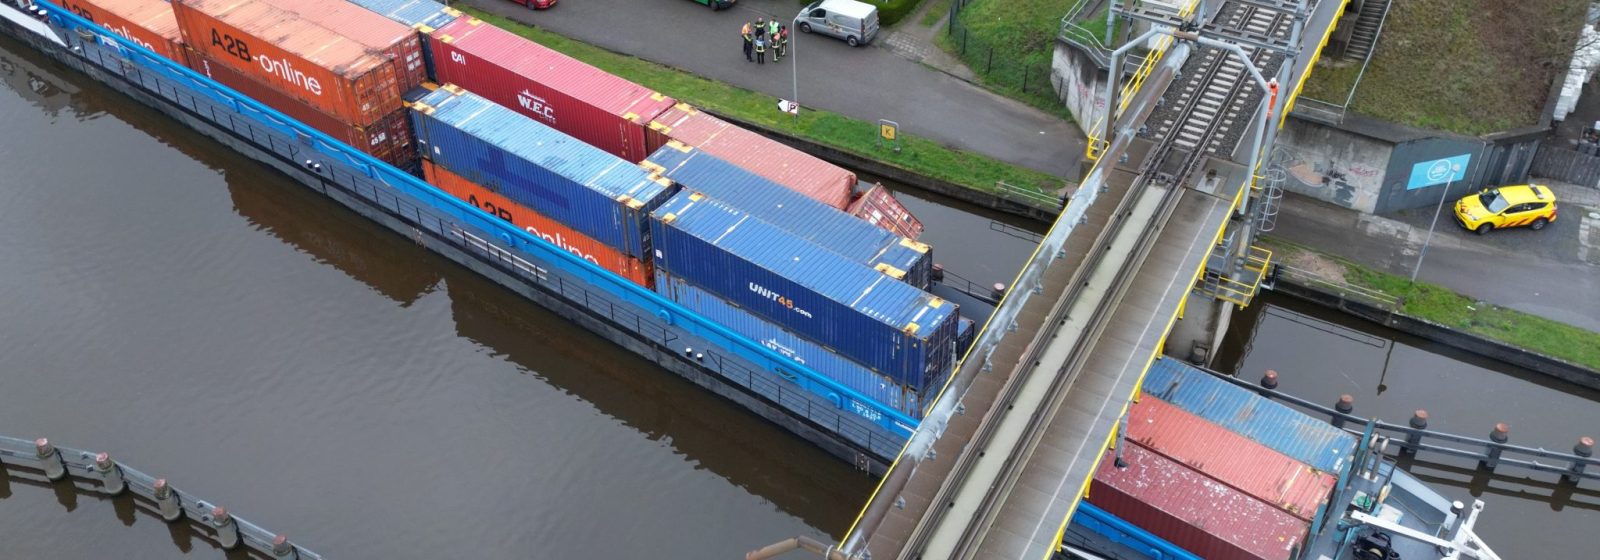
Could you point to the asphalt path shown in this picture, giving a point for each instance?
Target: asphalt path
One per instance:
(867, 83)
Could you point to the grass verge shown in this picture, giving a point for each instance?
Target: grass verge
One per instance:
(1008, 44)
(935, 12)
(1467, 66)
(1443, 306)
(918, 155)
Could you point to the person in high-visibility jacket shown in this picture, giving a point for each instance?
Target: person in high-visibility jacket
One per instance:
(761, 48)
(749, 39)
(780, 43)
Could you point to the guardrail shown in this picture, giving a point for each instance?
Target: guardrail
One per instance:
(171, 504)
(1028, 197)
(1344, 290)
(1414, 438)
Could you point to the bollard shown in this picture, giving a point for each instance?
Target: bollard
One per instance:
(1346, 405)
(1501, 434)
(227, 530)
(282, 548)
(998, 290)
(167, 501)
(50, 459)
(937, 274)
(1270, 379)
(1585, 449)
(110, 474)
(1419, 422)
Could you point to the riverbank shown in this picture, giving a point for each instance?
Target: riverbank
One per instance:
(844, 140)
(1438, 314)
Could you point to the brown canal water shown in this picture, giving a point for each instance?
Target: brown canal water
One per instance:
(206, 320)
(1320, 354)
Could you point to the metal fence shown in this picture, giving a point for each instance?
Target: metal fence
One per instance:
(1000, 68)
(171, 504)
(1345, 291)
(1566, 164)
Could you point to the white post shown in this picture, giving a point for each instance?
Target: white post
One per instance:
(794, 69)
(1454, 168)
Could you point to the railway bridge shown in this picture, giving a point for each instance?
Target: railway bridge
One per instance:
(1150, 256)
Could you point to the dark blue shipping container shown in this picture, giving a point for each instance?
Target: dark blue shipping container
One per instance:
(1309, 440)
(893, 328)
(589, 190)
(796, 213)
(804, 352)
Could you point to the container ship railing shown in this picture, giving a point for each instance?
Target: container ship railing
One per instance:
(626, 304)
(172, 505)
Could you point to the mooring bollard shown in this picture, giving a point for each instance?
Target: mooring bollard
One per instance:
(998, 290)
(1501, 434)
(110, 474)
(282, 548)
(50, 459)
(227, 530)
(167, 501)
(1585, 449)
(1346, 405)
(1269, 380)
(1419, 422)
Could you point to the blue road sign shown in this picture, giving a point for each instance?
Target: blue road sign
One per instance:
(1438, 171)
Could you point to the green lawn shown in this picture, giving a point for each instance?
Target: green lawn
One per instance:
(1440, 305)
(935, 12)
(1008, 43)
(851, 135)
(1467, 66)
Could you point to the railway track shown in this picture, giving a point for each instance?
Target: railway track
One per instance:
(1216, 96)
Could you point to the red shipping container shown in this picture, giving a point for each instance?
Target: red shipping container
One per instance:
(777, 162)
(149, 23)
(879, 207)
(558, 234)
(1231, 458)
(296, 56)
(1193, 511)
(400, 45)
(389, 139)
(582, 101)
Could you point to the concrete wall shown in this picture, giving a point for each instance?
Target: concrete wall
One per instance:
(1079, 83)
(1397, 194)
(1331, 164)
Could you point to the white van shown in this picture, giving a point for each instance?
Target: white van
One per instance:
(854, 22)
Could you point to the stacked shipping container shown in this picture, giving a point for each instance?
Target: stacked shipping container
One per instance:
(423, 15)
(1285, 430)
(770, 202)
(399, 44)
(603, 110)
(552, 174)
(1230, 458)
(539, 225)
(879, 207)
(1192, 510)
(895, 329)
(149, 23)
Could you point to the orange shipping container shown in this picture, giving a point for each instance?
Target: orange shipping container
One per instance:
(389, 139)
(556, 233)
(149, 23)
(298, 57)
(400, 45)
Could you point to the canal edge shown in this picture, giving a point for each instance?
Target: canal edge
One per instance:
(1540, 363)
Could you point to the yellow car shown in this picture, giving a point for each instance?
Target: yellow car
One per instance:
(1533, 206)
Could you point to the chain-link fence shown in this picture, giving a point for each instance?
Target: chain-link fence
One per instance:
(1002, 65)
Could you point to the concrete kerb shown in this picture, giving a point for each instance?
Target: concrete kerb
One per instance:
(1429, 330)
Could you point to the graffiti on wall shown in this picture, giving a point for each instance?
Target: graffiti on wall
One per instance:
(1349, 184)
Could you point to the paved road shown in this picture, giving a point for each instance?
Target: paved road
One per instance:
(867, 83)
(1553, 273)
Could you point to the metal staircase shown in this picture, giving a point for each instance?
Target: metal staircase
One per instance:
(1364, 36)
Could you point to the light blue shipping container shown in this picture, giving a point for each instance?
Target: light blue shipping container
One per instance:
(789, 345)
(428, 14)
(598, 194)
(1288, 431)
(895, 329)
(847, 235)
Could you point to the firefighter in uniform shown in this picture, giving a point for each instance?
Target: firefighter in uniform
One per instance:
(748, 41)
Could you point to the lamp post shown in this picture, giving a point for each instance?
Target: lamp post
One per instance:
(1454, 169)
(794, 68)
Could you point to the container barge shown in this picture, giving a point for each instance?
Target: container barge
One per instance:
(829, 412)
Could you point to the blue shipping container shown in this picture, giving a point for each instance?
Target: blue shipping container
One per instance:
(793, 212)
(893, 328)
(1309, 440)
(804, 352)
(598, 194)
(427, 14)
